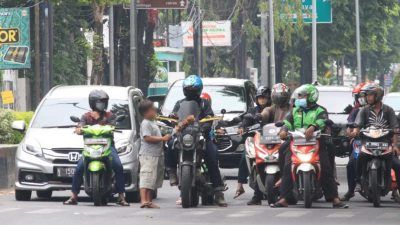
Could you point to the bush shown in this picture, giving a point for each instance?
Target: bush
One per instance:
(7, 134)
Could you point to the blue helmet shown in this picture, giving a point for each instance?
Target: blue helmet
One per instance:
(192, 86)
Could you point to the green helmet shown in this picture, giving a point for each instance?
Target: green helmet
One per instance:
(310, 91)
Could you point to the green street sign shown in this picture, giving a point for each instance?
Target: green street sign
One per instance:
(324, 11)
(14, 38)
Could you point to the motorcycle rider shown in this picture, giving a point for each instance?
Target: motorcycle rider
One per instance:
(351, 165)
(98, 102)
(377, 114)
(263, 100)
(192, 89)
(307, 114)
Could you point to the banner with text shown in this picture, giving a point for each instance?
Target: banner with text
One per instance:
(14, 38)
(215, 33)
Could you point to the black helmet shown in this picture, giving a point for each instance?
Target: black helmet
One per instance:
(98, 100)
(263, 91)
(373, 89)
(192, 86)
(280, 94)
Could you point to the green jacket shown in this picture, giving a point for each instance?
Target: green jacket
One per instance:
(300, 118)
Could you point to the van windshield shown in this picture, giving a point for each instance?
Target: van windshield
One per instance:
(55, 113)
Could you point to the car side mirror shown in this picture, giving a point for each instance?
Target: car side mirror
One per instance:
(75, 119)
(279, 124)
(120, 118)
(18, 125)
(223, 111)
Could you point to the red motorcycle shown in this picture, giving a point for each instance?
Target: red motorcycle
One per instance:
(266, 145)
(306, 168)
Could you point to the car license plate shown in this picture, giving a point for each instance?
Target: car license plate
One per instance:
(65, 171)
(377, 145)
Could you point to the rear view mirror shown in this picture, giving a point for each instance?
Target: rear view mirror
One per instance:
(18, 125)
(223, 111)
(279, 124)
(75, 119)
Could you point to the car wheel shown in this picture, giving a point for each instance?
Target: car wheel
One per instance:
(44, 194)
(23, 195)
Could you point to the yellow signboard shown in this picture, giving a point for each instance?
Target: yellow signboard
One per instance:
(7, 97)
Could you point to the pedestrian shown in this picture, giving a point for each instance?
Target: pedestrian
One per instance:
(151, 156)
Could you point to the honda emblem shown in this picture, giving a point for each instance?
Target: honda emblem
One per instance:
(74, 156)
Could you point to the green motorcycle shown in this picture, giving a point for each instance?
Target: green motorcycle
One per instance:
(98, 173)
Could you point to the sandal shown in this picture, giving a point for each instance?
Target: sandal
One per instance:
(145, 205)
(122, 202)
(278, 205)
(340, 205)
(238, 193)
(179, 201)
(71, 201)
(152, 206)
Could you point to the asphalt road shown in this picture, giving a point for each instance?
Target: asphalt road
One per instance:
(42, 212)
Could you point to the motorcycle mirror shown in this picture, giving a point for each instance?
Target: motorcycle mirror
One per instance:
(279, 124)
(223, 111)
(75, 119)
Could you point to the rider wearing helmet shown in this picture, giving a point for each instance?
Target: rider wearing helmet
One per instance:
(98, 102)
(280, 104)
(206, 97)
(307, 114)
(192, 89)
(375, 113)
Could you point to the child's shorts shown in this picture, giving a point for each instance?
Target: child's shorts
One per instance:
(151, 171)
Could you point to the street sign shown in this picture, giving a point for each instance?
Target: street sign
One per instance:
(215, 33)
(160, 4)
(324, 11)
(7, 97)
(14, 38)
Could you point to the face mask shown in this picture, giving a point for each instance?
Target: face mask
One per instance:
(100, 106)
(301, 103)
(362, 101)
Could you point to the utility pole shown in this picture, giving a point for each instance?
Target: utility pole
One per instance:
(133, 27)
(111, 45)
(200, 49)
(46, 72)
(37, 54)
(51, 43)
(272, 42)
(264, 50)
(314, 41)
(359, 75)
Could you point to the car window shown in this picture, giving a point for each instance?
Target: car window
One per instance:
(57, 112)
(392, 101)
(335, 101)
(230, 98)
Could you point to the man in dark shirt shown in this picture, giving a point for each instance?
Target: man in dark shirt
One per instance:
(98, 102)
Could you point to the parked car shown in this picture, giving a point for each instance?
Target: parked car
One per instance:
(336, 99)
(47, 156)
(235, 96)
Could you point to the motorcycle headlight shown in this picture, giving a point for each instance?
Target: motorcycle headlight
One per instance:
(187, 140)
(95, 152)
(32, 147)
(305, 157)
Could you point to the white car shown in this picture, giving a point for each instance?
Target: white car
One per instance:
(47, 156)
(393, 100)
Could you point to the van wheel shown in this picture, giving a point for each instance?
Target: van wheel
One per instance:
(132, 197)
(44, 194)
(23, 195)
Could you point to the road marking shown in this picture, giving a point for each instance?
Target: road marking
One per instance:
(388, 216)
(292, 214)
(238, 214)
(45, 211)
(8, 210)
(340, 215)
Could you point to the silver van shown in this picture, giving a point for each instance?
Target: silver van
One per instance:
(47, 156)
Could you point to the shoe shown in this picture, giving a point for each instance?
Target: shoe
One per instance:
(173, 177)
(340, 205)
(122, 202)
(347, 196)
(220, 199)
(71, 201)
(239, 192)
(254, 201)
(358, 188)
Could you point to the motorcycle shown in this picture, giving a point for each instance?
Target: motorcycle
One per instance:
(306, 168)
(375, 147)
(193, 176)
(267, 146)
(250, 152)
(98, 173)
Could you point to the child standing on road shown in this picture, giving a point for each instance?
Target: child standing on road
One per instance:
(151, 156)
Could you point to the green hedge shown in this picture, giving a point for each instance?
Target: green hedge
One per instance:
(7, 134)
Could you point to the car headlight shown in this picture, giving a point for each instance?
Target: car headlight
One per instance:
(124, 150)
(32, 147)
(187, 140)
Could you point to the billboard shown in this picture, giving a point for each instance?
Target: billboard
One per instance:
(159, 4)
(215, 33)
(14, 38)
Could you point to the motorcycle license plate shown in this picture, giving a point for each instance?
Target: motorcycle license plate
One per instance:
(377, 145)
(65, 171)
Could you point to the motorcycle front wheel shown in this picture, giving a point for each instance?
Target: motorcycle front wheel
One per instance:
(97, 195)
(186, 186)
(307, 192)
(375, 190)
(270, 180)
